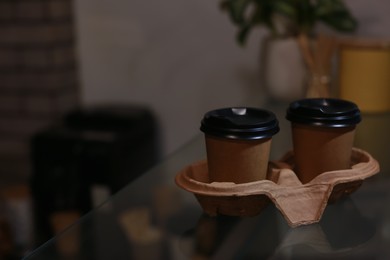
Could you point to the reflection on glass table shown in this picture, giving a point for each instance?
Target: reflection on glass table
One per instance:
(151, 218)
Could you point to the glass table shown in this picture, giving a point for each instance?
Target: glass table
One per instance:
(152, 218)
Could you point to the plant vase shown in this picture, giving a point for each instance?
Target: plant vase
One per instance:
(283, 69)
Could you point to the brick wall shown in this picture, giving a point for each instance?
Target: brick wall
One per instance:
(38, 74)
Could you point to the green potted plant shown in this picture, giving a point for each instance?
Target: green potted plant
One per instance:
(292, 23)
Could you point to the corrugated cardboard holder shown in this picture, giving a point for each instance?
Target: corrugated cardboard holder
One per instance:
(300, 204)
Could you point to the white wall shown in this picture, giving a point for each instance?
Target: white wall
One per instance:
(177, 56)
(373, 17)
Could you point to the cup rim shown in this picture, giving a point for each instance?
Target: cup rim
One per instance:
(252, 124)
(324, 112)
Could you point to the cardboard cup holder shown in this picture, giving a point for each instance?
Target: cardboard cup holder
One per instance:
(300, 204)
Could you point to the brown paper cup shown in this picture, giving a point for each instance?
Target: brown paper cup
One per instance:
(321, 149)
(237, 161)
(323, 134)
(238, 142)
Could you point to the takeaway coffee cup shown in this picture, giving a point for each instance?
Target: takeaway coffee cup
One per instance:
(323, 134)
(238, 142)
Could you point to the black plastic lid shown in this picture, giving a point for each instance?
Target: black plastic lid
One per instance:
(326, 112)
(240, 123)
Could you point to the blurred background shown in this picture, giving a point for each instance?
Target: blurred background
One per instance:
(112, 87)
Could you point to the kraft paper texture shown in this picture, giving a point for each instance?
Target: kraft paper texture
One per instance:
(300, 204)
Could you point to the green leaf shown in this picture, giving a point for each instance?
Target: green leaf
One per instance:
(243, 35)
(329, 7)
(305, 15)
(341, 23)
(236, 9)
(301, 15)
(286, 8)
(336, 15)
(263, 14)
